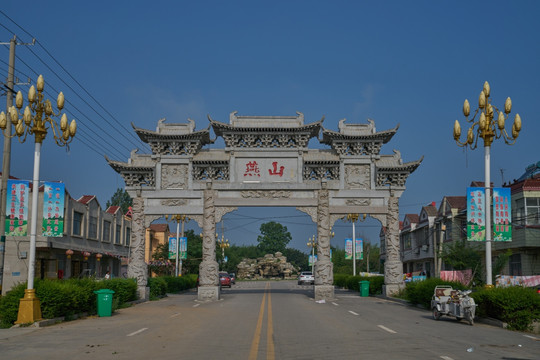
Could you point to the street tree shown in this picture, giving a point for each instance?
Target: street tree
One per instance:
(121, 198)
(274, 237)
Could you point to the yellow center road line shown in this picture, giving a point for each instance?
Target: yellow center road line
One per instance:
(270, 354)
(257, 336)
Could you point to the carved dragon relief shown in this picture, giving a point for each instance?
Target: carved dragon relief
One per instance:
(357, 177)
(174, 176)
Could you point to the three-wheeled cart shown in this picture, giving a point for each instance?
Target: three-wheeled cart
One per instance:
(450, 302)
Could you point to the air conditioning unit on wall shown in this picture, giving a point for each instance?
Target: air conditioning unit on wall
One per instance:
(425, 247)
(417, 251)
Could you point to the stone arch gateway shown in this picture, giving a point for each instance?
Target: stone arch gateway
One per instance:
(266, 162)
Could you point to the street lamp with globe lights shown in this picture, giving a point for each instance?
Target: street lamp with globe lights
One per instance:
(223, 244)
(38, 117)
(486, 127)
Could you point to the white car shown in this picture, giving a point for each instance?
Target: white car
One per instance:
(306, 277)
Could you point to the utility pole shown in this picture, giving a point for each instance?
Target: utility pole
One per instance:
(6, 159)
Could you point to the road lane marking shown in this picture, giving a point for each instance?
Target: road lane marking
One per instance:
(352, 312)
(387, 329)
(335, 304)
(532, 337)
(257, 336)
(196, 305)
(270, 353)
(137, 332)
(446, 358)
(175, 315)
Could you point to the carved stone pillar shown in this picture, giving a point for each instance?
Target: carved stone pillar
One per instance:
(208, 270)
(393, 267)
(324, 268)
(137, 267)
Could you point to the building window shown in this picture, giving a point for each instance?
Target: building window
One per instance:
(77, 223)
(106, 231)
(515, 265)
(407, 241)
(117, 239)
(92, 227)
(532, 211)
(128, 235)
(519, 212)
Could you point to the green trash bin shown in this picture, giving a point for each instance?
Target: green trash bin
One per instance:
(104, 302)
(364, 288)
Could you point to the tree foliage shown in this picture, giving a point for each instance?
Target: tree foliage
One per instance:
(460, 256)
(120, 198)
(274, 237)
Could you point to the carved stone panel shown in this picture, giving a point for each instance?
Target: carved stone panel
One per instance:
(357, 177)
(174, 176)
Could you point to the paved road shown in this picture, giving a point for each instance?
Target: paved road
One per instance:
(268, 320)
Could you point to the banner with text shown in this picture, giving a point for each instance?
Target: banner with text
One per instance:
(349, 249)
(476, 217)
(502, 212)
(53, 209)
(17, 208)
(182, 248)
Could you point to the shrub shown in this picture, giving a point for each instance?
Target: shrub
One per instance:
(421, 292)
(125, 290)
(158, 287)
(352, 282)
(517, 306)
(9, 305)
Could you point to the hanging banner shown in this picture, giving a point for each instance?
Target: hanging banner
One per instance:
(349, 251)
(53, 209)
(182, 248)
(476, 216)
(312, 260)
(172, 248)
(17, 208)
(502, 212)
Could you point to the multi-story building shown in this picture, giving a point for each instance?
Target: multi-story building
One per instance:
(525, 244)
(156, 234)
(416, 241)
(94, 241)
(423, 236)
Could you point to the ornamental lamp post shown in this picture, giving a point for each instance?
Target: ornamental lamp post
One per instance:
(223, 243)
(484, 125)
(353, 218)
(312, 243)
(35, 118)
(178, 219)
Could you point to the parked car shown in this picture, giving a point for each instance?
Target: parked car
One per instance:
(306, 277)
(233, 278)
(224, 279)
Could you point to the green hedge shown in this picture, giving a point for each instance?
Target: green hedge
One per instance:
(66, 297)
(160, 286)
(421, 292)
(352, 282)
(517, 306)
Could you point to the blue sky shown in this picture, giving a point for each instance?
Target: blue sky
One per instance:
(411, 63)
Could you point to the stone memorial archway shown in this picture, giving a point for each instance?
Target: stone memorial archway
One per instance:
(266, 162)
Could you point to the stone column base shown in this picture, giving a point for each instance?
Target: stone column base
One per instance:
(392, 289)
(324, 292)
(208, 293)
(143, 292)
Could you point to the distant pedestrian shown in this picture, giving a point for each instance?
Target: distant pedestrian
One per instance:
(107, 275)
